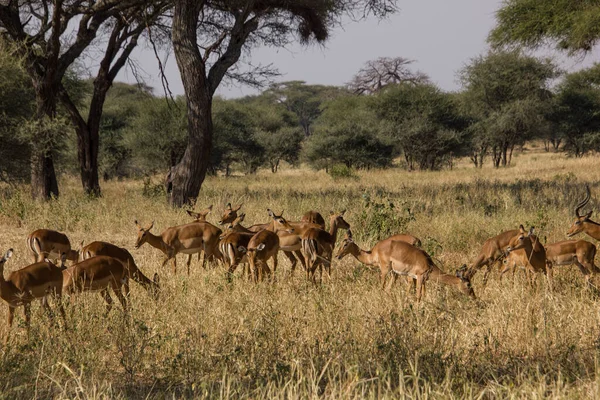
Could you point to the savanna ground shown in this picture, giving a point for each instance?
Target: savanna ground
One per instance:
(206, 337)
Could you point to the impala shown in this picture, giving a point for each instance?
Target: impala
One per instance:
(38, 280)
(578, 252)
(583, 223)
(98, 274)
(264, 245)
(525, 249)
(200, 216)
(187, 239)
(314, 217)
(403, 259)
(230, 214)
(234, 242)
(318, 245)
(45, 243)
(95, 249)
(492, 252)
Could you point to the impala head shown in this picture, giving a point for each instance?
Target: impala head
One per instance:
(280, 223)
(142, 234)
(229, 214)
(63, 260)
(233, 227)
(465, 284)
(577, 226)
(347, 246)
(338, 219)
(521, 240)
(200, 216)
(5, 258)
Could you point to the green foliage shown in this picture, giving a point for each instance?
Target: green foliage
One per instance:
(380, 219)
(341, 171)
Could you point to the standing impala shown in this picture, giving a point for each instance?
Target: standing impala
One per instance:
(318, 245)
(525, 249)
(38, 280)
(233, 244)
(45, 243)
(264, 245)
(187, 239)
(98, 274)
(578, 252)
(403, 259)
(583, 223)
(133, 272)
(229, 214)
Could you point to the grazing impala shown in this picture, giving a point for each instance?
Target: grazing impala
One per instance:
(187, 239)
(95, 249)
(578, 252)
(318, 245)
(45, 243)
(98, 274)
(491, 254)
(314, 217)
(525, 249)
(38, 280)
(583, 223)
(403, 259)
(264, 245)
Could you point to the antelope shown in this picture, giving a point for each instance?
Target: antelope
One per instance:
(526, 250)
(583, 223)
(95, 249)
(318, 245)
(188, 239)
(492, 252)
(314, 217)
(45, 243)
(35, 281)
(578, 252)
(98, 274)
(404, 259)
(200, 216)
(264, 245)
(230, 214)
(234, 242)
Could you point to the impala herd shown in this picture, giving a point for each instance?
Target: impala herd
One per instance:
(104, 267)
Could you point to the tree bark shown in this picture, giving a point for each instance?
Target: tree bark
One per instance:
(188, 175)
(44, 184)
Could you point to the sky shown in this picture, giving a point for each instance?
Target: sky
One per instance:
(441, 36)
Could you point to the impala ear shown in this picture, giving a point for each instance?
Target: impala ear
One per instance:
(156, 278)
(331, 212)
(521, 228)
(228, 206)
(241, 217)
(149, 226)
(270, 213)
(260, 247)
(192, 214)
(343, 212)
(281, 213)
(137, 224)
(242, 249)
(8, 255)
(209, 208)
(531, 231)
(238, 207)
(588, 215)
(63, 258)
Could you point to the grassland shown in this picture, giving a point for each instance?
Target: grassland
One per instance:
(206, 337)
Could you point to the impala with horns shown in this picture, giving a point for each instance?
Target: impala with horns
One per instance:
(264, 245)
(583, 223)
(491, 254)
(318, 245)
(187, 239)
(401, 258)
(578, 252)
(99, 274)
(36, 281)
(525, 250)
(95, 249)
(46, 243)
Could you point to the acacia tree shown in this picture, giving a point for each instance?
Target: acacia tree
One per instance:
(383, 72)
(208, 40)
(40, 32)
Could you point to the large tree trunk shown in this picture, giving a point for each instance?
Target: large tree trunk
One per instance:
(44, 184)
(187, 176)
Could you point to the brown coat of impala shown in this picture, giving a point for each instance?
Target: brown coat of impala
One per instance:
(401, 258)
(491, 254)
(46, 243)
(98, 274)
(95, 249)
(36, 281)
(578, 252)
(187, 239)
(318, 245)
(314, 217)
(583, 223)
(234, 242)
(525, 249)
(264, 245)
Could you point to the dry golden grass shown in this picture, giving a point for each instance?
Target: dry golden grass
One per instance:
(206, 337)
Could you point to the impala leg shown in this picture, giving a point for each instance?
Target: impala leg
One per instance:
(189, 261)
(119, 294)
(486, 274)
(47, 308)
(300, 257)
(61, 309)
(27, 312)
(293, 261)
(109, 301)
(550, 276)
(420, 284)
(385, 270)
(275, 262)
(11, 315)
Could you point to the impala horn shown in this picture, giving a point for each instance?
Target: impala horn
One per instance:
(584, 202)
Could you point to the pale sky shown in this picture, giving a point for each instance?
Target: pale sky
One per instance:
(440, 35)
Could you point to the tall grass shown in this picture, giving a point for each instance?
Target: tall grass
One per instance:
(207, 337)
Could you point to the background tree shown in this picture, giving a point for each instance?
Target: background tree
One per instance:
(226, 28)
(382, 72)
(507, 94)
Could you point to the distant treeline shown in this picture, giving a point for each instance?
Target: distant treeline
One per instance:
(507, 98)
